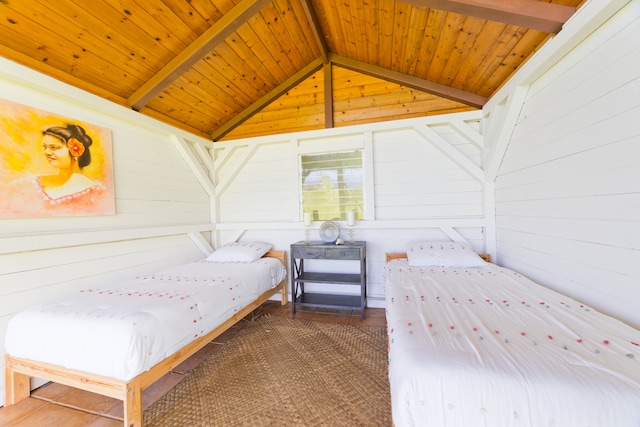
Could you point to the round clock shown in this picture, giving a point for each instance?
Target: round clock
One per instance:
(329, 232)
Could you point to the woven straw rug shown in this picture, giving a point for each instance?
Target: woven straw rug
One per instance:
(285, 372)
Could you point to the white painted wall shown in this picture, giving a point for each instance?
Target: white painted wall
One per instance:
(568, 187)
(423, 180)
(159, 202)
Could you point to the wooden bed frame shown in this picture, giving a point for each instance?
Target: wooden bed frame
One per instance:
(19, 371)
(398, 255)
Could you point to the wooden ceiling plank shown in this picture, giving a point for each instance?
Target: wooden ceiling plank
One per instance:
(458, 57)
(222, 77)
(534, 14)
(64, 47)
(446, 46)
(173, 122)
(264, 45)
(244, 69)
(206, 77)
(181, 110)
(482, 44)
(159, 21)
(372, 29)
(415, 38)
(278, 39)
(63, 76)
(268, 98)
(434, 30)
(312, 19)
(327, 14)
(526, 44)
(207, 10)
(187, 12)
(310, 91)
(411, 81)
(186, 91)
(359, 25)
(91, 35)
(195, 51)
(387, 20)
(495, 59)
(125, 36)
(345, 20)
(298, 42)
(402, 20)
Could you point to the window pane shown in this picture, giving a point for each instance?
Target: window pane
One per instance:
(332, 185)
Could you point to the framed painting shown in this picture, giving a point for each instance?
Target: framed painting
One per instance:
(52, 165)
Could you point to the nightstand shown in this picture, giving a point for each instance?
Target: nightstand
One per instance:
(351, 251)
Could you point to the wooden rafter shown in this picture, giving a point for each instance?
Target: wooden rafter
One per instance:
(328, 96)
(538, 15)
(265, 100)
(315, 28)
(229, 23)
(410, 81)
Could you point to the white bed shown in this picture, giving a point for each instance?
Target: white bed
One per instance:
(123, 337)
(485, 346)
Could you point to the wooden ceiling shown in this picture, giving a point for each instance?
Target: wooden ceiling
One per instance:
(227, 69)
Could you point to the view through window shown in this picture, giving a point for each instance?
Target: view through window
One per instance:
(332, 185)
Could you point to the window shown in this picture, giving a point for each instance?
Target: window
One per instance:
(332, 185)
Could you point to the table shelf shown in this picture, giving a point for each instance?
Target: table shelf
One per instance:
(349, 252)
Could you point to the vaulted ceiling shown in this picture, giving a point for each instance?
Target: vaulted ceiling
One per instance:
(227, 69)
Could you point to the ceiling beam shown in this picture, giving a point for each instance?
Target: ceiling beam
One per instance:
(410, 81)
(204, 44)
(267, 99)
(534, 14)
(315, 29)
(328, 96)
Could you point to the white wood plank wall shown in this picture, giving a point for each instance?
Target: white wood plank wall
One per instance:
(158, 200)
(568, 190)
(425, 176)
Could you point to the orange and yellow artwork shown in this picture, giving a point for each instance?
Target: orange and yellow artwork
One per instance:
(52, 165)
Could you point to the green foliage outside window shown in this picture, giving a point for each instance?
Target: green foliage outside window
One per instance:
(332, 185)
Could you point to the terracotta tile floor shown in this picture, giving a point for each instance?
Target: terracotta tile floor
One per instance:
(58, 405)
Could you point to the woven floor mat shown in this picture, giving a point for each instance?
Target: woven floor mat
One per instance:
(285, 372)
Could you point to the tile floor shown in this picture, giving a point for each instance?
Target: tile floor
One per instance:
(58, 405)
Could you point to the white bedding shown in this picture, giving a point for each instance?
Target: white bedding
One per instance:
(488, 347)
(123, 330)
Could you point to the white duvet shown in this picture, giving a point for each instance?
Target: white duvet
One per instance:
(123, 330)
(488, 347)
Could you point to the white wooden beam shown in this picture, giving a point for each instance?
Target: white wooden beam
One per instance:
(24, 242)
(224, 184)
(468, 132)
(430, 135)
(203, 176)
(501, 130)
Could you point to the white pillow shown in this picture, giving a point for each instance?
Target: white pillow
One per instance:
(239, 252)
(442, 254)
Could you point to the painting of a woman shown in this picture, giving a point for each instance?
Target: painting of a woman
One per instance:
(62, 187)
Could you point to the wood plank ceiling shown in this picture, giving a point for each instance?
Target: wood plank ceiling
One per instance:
(227, 69)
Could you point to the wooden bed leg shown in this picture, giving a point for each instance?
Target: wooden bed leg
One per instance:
(285, 300)
(17, 386)
(133, 404)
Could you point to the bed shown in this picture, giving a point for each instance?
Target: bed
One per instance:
(475, 344)
(117, 340)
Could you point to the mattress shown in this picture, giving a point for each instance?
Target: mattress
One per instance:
(488, 347)
(124, 329)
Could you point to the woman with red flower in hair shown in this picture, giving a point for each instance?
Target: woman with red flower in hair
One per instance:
(68, 190)
(67, 150)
